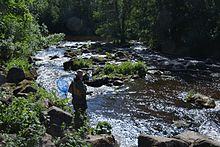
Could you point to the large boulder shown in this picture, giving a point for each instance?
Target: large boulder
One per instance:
(193, 64)
(15, 75)
(102, 140)
(194, 139)
(120, 54)
(98, 82)
(201, 100)
(57, 117)
(24, 88)
(156, 141)
(68, 65)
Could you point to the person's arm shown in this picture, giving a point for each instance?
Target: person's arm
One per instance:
(71, 88)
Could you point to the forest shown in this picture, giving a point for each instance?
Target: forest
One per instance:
(182, 27)
(177, 28)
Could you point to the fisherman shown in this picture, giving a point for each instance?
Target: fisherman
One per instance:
(78, 90)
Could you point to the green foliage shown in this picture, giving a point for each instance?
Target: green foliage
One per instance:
(68, 16)
(21, 117)
(81, 63)
(51, 97)
(19, 62)
(20, 33)
(125, 68)
(189, 95)
(73, 139)
(103, 128)
(109, 55)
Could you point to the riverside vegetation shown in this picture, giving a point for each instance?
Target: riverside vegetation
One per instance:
(191, 28)
(22, 120)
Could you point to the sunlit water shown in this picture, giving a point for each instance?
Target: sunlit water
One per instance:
(150, 106)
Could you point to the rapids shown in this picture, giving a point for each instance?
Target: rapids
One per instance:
(152, 106)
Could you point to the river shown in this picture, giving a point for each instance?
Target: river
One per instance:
(154, 105)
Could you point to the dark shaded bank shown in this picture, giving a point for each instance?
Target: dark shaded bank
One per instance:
(202, 52)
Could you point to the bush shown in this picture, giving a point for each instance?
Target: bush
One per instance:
(51, 98)
(21, 117)
(19, 62)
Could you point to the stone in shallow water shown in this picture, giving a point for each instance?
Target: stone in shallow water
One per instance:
(195, 139)
(202, 100)
(102, 140)
(156, 141)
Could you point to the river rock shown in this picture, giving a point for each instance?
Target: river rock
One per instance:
(120, 54)
(54, 57)
(46, 141)
(85, 51)
(68, 65)
(98, 82)
(23, 89)
(194, 139)
(6, 101)
(15, 75)
(178, 66)
(201, 100)
(156, 141)
(102, 140)
(57, 117)
(118, 83)
(70, 53)
(181, 123)
(192, 64)
(167, 64)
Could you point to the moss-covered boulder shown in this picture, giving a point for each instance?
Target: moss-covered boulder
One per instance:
(201, 100)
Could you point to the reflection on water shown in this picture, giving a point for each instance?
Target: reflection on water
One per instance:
(150, 106)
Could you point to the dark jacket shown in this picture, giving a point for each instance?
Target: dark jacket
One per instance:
(78, 90)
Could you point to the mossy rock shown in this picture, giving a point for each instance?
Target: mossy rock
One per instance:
(201, 100)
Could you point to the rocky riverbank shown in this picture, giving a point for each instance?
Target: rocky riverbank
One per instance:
(23, 103)
(155, 104)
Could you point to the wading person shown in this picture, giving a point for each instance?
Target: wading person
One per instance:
(78, 90)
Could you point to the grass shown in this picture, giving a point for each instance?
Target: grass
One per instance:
(189, 95)
(81, 63)
(125, 68)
